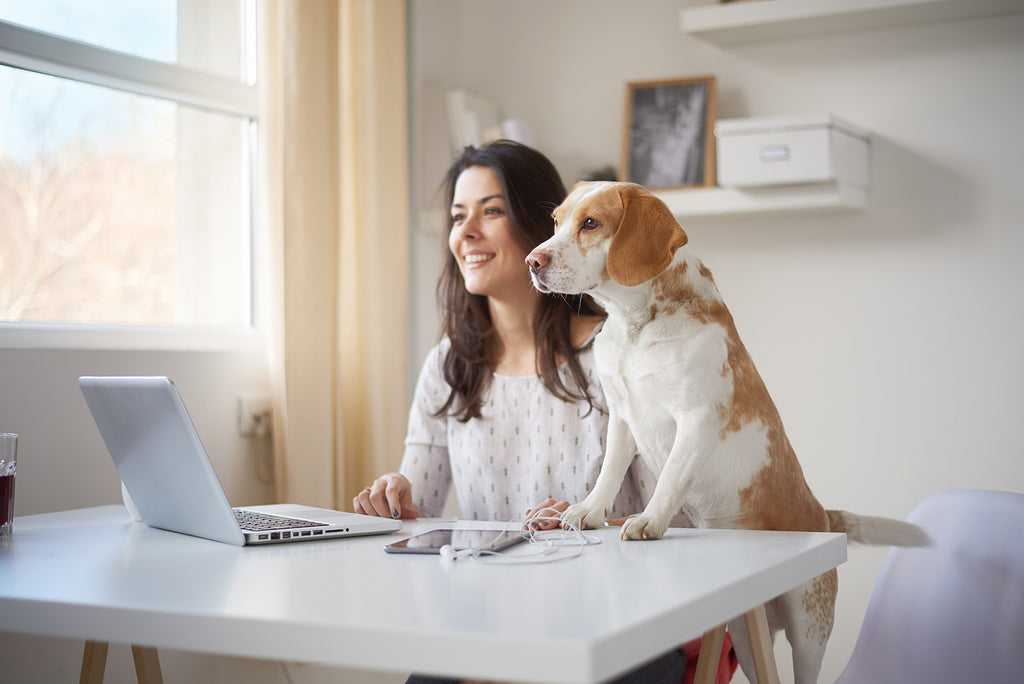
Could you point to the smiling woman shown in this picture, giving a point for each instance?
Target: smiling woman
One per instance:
(482, 242)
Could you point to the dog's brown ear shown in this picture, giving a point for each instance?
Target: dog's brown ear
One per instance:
(646, 240)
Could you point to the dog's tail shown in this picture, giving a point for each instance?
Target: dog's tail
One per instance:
(866, 529)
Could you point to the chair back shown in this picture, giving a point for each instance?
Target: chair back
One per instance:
(952, 612)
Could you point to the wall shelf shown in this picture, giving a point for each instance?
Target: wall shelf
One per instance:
(757, 21)
(772, 20)
(711, 203)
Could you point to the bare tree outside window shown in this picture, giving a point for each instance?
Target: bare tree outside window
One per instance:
(127, 162)
(87, 204)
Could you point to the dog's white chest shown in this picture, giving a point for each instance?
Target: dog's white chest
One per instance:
(624, 375)
(652, 381)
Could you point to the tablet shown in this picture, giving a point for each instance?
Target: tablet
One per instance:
(487, 541)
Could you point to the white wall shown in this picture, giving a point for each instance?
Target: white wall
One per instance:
(62, 461)
(888, 338)
(435, 57)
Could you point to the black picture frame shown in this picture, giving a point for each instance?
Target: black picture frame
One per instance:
(668, 137)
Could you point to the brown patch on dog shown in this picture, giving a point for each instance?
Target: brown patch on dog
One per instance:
(778, 497)
(671, 285)
(645, 239)
(819, 604)
(673, 289)
(604, 207)
(750, 398)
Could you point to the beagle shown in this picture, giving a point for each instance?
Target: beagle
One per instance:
(684, 393)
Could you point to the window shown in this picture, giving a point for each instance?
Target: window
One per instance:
(127, 162)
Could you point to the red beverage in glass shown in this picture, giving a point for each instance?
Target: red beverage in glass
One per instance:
(6, 499)
(8, 466)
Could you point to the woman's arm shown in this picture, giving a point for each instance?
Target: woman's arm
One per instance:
(421, 485)
(427, 468)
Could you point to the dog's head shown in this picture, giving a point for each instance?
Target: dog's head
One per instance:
(605, 231)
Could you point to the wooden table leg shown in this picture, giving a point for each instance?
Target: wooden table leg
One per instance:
(94, 662)
(147, 665)
(761, 646)
(710, 655)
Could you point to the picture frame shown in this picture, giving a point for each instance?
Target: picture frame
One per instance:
(668, 138)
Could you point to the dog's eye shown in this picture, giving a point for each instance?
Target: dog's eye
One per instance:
(589, 224)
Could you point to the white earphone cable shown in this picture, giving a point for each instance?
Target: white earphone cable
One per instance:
(549, 544)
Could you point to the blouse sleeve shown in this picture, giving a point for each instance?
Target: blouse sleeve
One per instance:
(425, 460)
(428, 470)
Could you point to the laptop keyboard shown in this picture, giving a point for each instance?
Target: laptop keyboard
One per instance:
(258, 522)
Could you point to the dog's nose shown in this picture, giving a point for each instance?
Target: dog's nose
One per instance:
(536, 261)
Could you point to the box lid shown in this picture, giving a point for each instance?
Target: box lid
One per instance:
(785, 123)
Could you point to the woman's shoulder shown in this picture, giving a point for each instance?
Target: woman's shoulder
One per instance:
(432, 369)
(441, 348)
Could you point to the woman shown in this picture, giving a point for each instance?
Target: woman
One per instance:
(507, 407)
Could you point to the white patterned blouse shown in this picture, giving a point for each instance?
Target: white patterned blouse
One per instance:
(527, 445)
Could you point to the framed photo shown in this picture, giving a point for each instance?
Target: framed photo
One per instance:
(668, 140)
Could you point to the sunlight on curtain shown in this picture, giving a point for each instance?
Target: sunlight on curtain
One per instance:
(335, 149)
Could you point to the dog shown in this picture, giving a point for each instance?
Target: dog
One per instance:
(684, 393)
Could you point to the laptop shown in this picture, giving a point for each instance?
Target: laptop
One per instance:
(169, 477)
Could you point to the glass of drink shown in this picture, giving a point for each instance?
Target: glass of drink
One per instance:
(8, 466)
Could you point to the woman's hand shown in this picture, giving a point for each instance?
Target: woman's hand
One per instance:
(546, 516)
(390, 496)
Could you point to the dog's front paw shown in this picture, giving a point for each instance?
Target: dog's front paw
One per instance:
(583, 516)
(641, 527)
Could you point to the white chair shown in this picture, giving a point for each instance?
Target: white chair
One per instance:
(952, 612)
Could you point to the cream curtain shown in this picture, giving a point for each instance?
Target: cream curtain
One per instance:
(334, 137)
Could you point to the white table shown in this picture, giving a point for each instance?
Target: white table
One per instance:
(91, 574)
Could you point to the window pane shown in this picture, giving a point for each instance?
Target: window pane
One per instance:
(206, 35)
(116, 208)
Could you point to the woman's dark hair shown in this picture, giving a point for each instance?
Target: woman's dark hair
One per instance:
(532, 189)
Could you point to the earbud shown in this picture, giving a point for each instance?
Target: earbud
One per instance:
(449, 554)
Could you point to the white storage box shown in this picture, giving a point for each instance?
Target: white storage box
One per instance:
(792, 150)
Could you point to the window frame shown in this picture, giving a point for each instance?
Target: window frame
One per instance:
(48, 54)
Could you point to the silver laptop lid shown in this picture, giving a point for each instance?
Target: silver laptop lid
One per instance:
(159, 456)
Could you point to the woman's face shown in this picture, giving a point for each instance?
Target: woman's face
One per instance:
(491, 262)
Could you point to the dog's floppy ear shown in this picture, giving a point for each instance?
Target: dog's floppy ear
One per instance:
(646, 240)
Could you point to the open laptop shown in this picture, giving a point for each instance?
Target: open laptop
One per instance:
(168, 475)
